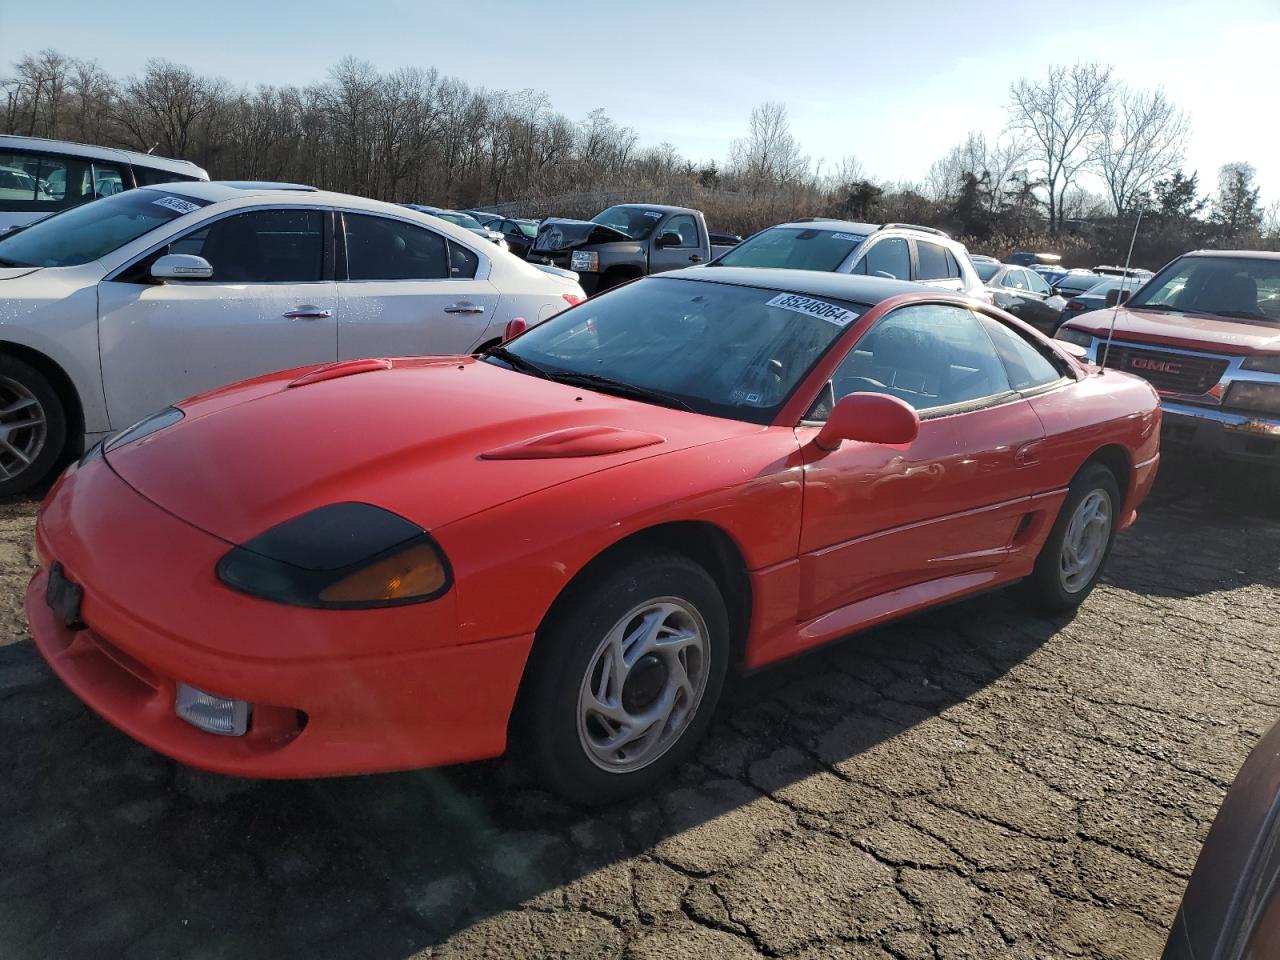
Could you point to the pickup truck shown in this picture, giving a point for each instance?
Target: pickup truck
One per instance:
(624, 242)
(1205, 331)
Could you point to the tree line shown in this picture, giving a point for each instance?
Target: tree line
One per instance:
(415, 135)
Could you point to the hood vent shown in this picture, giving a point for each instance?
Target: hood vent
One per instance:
(345, 368)
(574, 442)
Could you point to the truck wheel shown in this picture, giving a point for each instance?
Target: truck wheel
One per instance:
(624, 679)
(33, 426)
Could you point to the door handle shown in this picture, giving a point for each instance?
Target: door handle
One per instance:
(464, 308)
(695, 258)
(308, 312)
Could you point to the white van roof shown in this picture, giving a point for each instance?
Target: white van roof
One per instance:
(88, 151)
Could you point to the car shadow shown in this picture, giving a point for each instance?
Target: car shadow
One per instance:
(111, 848)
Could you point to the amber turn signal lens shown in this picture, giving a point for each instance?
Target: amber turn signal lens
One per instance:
(414, 572)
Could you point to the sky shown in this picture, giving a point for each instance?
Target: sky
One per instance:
(893, 84)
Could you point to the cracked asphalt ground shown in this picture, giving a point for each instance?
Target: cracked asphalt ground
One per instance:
(969, 784)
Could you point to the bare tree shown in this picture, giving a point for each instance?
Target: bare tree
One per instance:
(1142, 140)
(1062, 116)
(769, 155)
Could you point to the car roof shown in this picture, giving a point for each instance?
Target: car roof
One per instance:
(91, 152)
(1251, 254)
(850, 226)
(655, 206)
(814, 283)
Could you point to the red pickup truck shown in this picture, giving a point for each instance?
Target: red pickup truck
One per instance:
(1205, 331)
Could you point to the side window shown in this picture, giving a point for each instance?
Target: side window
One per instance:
(953, 268)
(462, 262)
(147, 177)
(1037, 283)
(686, 226)
(1015, 279)
(265, 246)
(932, 261)
(930, 355)
(890, 256)
(107, 180)
(379, 248)
(1027, 367)
(43, 182)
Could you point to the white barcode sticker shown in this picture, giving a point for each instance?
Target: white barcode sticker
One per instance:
(852, 237)
(813, 308)
(177, 204)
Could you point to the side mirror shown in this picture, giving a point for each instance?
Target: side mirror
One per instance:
(181, 266)
(669, 239)
(1117, 296)
(869, 418)
(515, 327)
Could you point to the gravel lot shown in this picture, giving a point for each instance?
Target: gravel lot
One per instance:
(971, 783)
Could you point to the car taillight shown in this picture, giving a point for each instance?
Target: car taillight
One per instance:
(573, 299)
(1074, 305)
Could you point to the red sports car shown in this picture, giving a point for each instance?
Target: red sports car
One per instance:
(566, 542)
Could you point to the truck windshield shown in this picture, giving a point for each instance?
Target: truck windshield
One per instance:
(636, 222)
(720, 349)
(93, 230)
(793, 248)
(1243, 288)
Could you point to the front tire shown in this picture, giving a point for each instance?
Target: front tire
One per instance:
(1076, 551)
(625, 678)
(33, 426)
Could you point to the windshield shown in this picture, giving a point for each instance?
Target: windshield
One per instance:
(1243, 288)
(93, 230)
(793, 248)
(636, 222)
(985, 270)
(722, 349)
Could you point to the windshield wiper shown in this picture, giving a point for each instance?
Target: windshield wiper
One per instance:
(617, 387)
(517, 361)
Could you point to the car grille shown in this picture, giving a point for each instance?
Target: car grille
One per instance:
(1184, 373)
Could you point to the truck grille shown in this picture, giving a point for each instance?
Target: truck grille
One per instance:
(1184, 373)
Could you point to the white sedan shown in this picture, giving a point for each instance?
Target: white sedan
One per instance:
(113, 310)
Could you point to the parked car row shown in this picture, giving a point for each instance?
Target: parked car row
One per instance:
(120, 307)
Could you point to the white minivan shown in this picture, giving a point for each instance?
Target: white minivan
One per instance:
(39, 177)
(115, 309)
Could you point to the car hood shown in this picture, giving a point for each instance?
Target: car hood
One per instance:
(13, 273)
(1190, 331)
(557, 234)
(432, 439)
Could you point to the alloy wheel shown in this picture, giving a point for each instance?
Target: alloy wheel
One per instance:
(23, 429)
(1085, 542)
(643, 685)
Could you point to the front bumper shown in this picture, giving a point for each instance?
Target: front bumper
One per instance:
(328, 698)
(1253, 438)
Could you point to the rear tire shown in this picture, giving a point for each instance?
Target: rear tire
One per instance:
(1074, 555)
(33, 426)
(624, 678)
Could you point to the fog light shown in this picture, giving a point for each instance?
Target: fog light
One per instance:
(212, 714)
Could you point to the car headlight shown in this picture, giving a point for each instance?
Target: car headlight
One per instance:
(1078, 337)
(1264, 362)
(1246, 395)
(342, 556)
(584, 261)
(143, 428)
